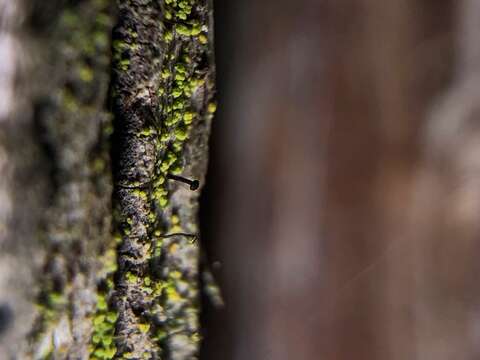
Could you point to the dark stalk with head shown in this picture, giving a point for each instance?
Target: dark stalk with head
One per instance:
(194, 184)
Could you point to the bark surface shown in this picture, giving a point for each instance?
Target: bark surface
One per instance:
(110, 99)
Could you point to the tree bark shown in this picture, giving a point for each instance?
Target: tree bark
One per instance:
(92, 129)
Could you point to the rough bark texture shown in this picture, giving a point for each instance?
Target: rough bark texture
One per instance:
(162, 92)
(22, 182)
(73, 127)
(95, 119)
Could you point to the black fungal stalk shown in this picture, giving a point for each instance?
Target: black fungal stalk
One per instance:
(194, 184)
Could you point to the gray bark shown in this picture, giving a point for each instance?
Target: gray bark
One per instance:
(86, 121)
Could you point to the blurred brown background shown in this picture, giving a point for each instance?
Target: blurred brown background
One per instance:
(344, 188)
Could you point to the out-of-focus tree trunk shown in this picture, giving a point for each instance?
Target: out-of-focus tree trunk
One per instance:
(86, 118)
(347, 149)
(21, 167)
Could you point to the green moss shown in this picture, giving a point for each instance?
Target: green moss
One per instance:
(56, 300)
(172, 294)
(177, 146)
(168, 36)
(188, 117)
(176, 169)
(124, 64)
(132, 33)
(102, 346)
(160, 335)
(101, 302)
(183, 30)
(177, 93)
(212, 107)
(202, 39)
(85, 73)
(196, 29)
(131, 277)
(166, 74)
(181, 133)
(175, 274)
(180, 68)
(180, 76)
(163, 202)
(142, 194)
(159, 192)
(144, 328)
(98, 320)
(148, 132)
(119, 45)
(104, 353)
(111, 317)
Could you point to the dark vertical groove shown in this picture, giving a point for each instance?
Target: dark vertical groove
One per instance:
(216, 322)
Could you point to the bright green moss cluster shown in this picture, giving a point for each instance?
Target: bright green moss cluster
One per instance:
(178, 120)
(102, 346)
(186, 25)
(178, 9)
